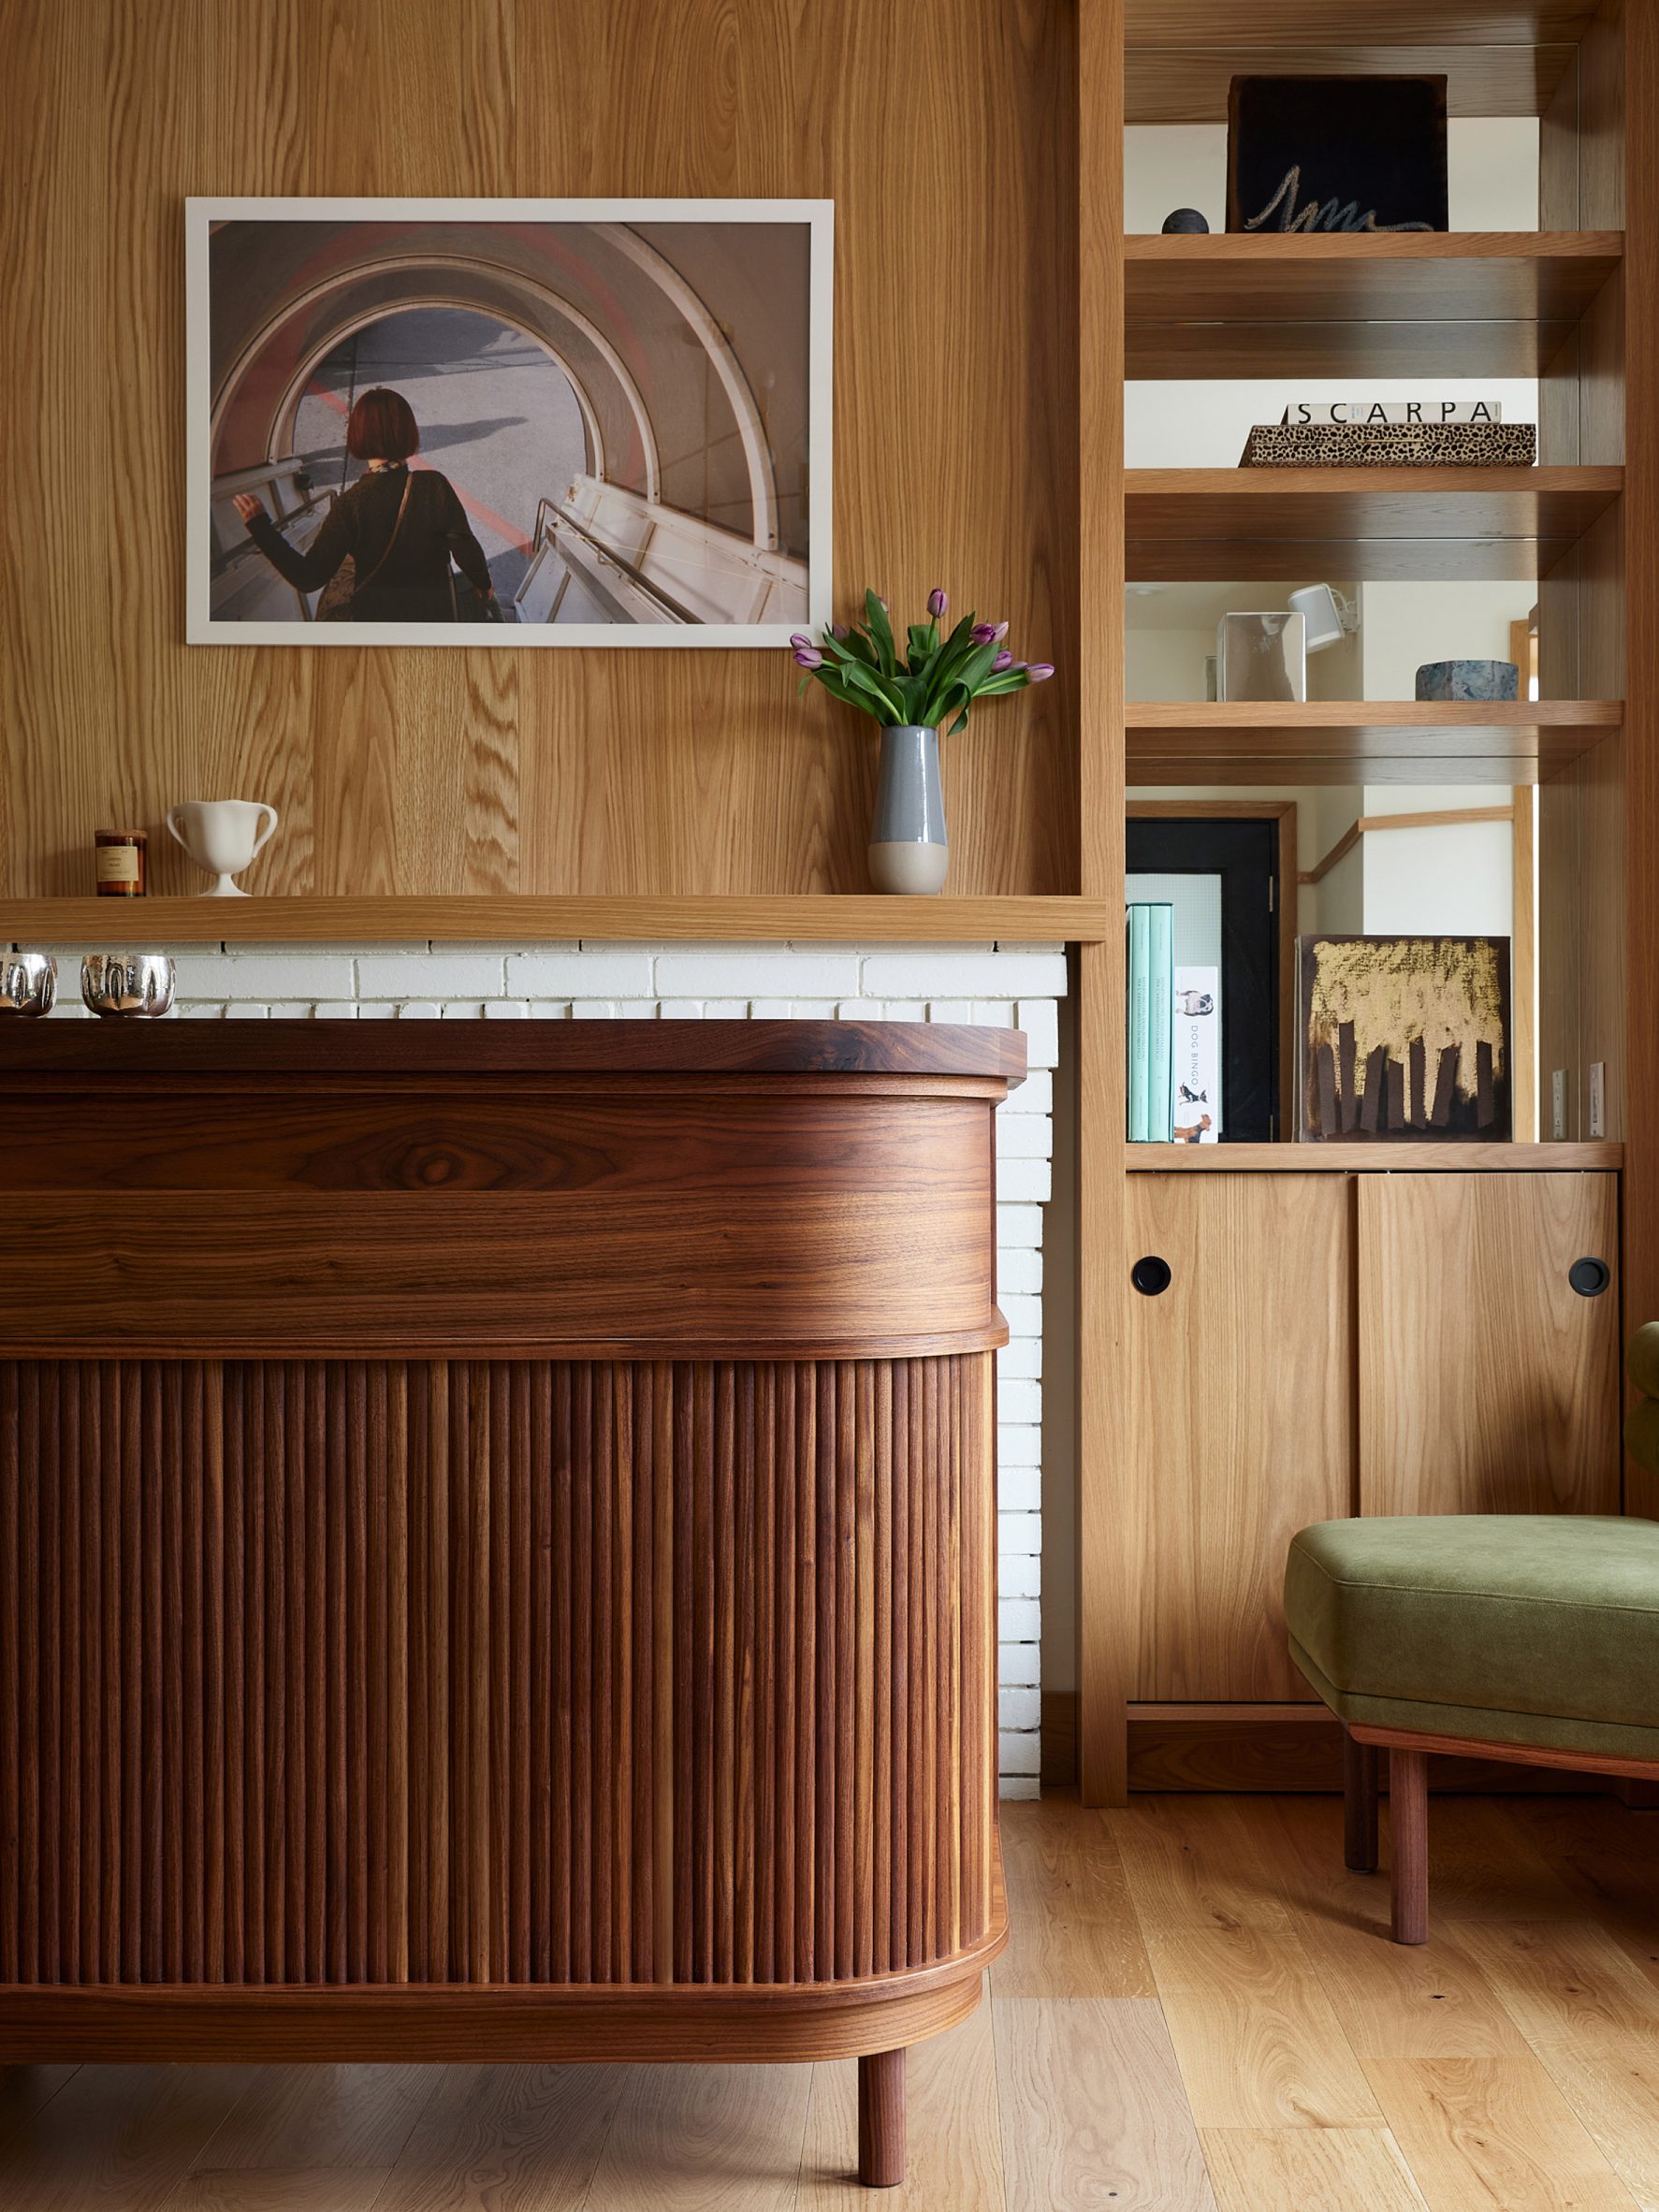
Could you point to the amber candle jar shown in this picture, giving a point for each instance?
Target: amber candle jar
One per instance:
(120, 856)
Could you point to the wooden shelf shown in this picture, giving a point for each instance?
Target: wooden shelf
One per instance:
(1377, 1159)
(1363, 525)
(1500, 57)
(1484, 304)
(1362, 741)
(374, 919)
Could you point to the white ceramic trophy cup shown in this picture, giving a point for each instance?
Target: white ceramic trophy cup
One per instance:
(222, 837)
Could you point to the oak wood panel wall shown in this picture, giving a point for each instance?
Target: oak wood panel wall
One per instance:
(944, 136)
(368, 1673)
(1486, 1384)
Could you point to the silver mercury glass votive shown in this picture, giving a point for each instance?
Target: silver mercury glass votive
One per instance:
(132, 983)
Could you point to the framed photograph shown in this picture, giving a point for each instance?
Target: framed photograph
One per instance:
(508, 421)
(1404, 1039)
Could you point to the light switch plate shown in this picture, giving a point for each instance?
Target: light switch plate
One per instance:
(1598, 1098)
(1558, 1105)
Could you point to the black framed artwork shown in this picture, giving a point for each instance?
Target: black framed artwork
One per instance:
(1322, 153)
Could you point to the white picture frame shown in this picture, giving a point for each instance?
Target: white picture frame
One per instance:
(225, 349)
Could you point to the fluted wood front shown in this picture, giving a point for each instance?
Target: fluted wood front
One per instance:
(568, 1672)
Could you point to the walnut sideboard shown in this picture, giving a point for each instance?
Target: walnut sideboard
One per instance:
(498, 1542)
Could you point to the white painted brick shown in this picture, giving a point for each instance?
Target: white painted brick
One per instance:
(1019, 1579)
(1018, 1447)
(462, 1010)
(860, 1010)
(951, 1009)
(907, 1009)
(993, 1013)
(725, 1009)
(1018, 1271)
(245, 1011)
(1019, 1489)
(1020, 1361)
(1035, 1095)
(1014, 1789)
(1006, 944)
(917, 974)
(347, 1010)
(506, 1009)
(1027, 1179)
(740, 975)
(812, 1010)
(1019, 1621)
(592, 1010)
(637, 1010)
(770, 1010)
(419, 1010)
(1018, 1663)
(1019, 1535)
(1017, 1225)
(1023, 1137)
(580, 975)
(1024, 1315)
(1019, 1708)
(549, 1009)
(293, 1010)
(433, 975)
(204, 1012)
(680, 1009)
(512, 948)
(1019, 1753)
(1020, 1402)
(1040, 1018)
(375, 1010)
(288, 976)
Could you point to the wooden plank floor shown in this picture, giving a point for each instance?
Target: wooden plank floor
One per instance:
(1199, 2012)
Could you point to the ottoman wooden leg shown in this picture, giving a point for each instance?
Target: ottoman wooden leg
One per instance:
(881, 2119)
(1409, 1844)
(1359, 1805)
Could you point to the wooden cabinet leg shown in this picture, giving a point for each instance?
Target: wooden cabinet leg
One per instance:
(881, 2119)
(1359, 1805)
(1409, 1844)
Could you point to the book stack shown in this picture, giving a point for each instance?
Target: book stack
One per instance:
(1152, 1006)
(1391, 433)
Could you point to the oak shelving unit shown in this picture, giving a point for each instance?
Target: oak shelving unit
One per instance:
(1276, 1422)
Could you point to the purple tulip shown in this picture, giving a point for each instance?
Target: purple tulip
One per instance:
(937, 604)
(809, 657)
(838, 632)
(1000, 632)
(801, 642)
(1040, 672)
(1002, 663)
(982, 633)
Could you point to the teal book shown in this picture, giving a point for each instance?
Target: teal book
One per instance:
(1140, 1023)
(1160, 1024)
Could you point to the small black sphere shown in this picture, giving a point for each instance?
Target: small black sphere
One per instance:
(1185, 219)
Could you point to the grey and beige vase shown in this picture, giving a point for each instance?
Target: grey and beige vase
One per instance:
(909, 851)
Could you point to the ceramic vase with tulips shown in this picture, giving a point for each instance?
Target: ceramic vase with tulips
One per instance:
(940, 675)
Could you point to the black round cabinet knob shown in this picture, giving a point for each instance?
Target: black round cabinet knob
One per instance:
(1589, 1278)
(1150, 1277)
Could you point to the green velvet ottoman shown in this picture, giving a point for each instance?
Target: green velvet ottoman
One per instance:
(1524, 1636)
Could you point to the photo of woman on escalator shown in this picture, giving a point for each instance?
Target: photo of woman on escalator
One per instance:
(399, 527)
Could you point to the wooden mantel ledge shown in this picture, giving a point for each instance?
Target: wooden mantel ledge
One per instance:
(47, 922)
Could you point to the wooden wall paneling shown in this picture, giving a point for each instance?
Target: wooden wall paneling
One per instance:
(677, 771)
(1108, 1593)
(1238, 1417)
(1487, 1384)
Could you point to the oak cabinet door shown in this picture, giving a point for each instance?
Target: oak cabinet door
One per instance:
(1488, 1384)
(1239, 1419)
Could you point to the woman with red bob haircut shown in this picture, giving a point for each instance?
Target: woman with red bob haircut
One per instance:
(398, 527)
